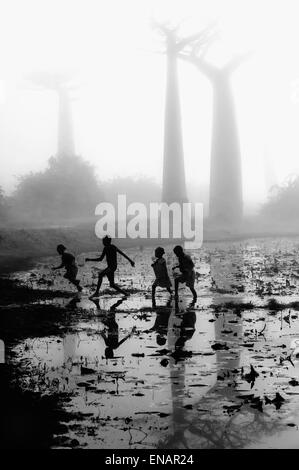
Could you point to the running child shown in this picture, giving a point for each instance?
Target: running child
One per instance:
(186, 267)
(160, 270)
(68, 262)
(110, 252)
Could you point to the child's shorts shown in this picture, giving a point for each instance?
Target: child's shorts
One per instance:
(166, 283)
(187, 278)
(71, 273)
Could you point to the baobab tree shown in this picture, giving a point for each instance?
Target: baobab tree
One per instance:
(60, 83)
(174, 181)
(67, 188)
(226, 200)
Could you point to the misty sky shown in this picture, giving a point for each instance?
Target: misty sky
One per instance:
(119, 85)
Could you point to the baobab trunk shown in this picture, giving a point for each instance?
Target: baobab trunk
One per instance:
(59, 83)
(66, 146)
(174, 183)
(174, 180)
(226, 200)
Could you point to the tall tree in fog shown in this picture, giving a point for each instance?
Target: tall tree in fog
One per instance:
(65, 146)
(174, 182)
(60, 83)
(68, 188)
(3, 206)
(226, 200)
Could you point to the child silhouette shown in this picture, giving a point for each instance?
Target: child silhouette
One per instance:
(68, 262)
(160, 270)
(110, 252)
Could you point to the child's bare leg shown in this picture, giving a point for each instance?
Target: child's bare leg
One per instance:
(118, 289)
(73, 281)
(154, 293)
(176, 288)
(194, 293)
(100, 280)
(76, 283)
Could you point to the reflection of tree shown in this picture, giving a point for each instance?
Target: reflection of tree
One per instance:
(234, 434)
(181, 329)
(208, 424)
(227, 273)
(71, 341)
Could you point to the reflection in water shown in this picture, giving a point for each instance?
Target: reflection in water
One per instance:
(207, 429)
(71, 341)
(227, 273)
(181, 330)
(225, 421)
(160, 326)
(169, 384)
(110, 334)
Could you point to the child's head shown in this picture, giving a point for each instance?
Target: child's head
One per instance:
(106, 241)
(159, 252)
(161, 340)
(61, 249)
(178, 251)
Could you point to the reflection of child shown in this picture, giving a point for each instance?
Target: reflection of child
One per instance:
(161, 326)
(69, 263)
(112, 338)
(187, 329)
(160, 270)
(186, 267)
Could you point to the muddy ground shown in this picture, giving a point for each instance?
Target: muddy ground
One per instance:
(121, 373)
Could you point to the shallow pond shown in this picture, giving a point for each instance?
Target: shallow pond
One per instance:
(220, 373)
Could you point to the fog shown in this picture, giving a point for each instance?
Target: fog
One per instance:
(149, 225)
(117, 67)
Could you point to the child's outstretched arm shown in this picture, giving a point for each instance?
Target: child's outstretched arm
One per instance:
(58, 267)
(97, 259)
(125, 256)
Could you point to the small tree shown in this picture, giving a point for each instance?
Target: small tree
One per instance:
(283, 202)
(67, 189)
(140, 189)
(3, 206)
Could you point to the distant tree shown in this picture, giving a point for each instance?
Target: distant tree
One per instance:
(283, 202)
(226, 199)
(174, 182)
(3, 206)
(139, 189)
(68, 188)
